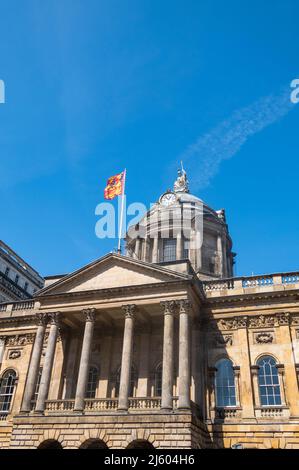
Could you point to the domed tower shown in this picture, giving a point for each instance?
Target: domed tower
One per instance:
(180, 226)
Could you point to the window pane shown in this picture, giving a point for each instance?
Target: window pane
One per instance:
(268, 382)
(169, 249)
(225, 384)
(92, 383)
(7, 389)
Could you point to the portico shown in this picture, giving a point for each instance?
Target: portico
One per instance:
(107, 329)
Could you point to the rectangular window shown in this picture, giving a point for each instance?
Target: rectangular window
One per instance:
(17, 278)
(26, 286)
(169, 249)
(186, 249)
(7, 271)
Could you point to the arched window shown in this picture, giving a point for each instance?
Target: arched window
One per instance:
(7, 386)
(225, 383)
(132, 383)
(92, 382)
(268, 380)
(158, 381)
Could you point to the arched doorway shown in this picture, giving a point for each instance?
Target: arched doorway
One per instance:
(50, 444)
(94, 444)
(140, 444)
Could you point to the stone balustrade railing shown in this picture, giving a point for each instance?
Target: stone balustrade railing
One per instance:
(3, 415)
(59, 405)
(22, 305)
(262, 281)
(272, 412)
(227, 413)
(105, 404)
(137, 403)
(101, 404)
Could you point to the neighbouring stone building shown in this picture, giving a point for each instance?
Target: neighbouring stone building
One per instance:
(18, 280)
(160, 348)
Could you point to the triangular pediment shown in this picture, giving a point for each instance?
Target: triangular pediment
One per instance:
(112, 271)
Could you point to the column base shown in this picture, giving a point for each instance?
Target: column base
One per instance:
(123, 409)
(184, 408)
(166, 408)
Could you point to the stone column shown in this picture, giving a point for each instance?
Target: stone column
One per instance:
(137, 248)
(145, 254)
(155, 249)
(241, 336)
(237, 384)
(281, 378)
(34, 363)
(179, 245)
(211, 401)
(2, 347)
(168, 353)
(224, 262)
(126, 361)
(184, 355)
(254, 372)
(220, 254)
(284, 321)
(89, 314)
(48, 364)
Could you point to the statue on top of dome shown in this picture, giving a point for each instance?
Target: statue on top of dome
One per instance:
(181, 184)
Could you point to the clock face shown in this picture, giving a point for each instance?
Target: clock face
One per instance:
(167, 199)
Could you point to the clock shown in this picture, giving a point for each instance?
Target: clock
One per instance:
(167, 199)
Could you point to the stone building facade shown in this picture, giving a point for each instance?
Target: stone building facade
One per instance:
(158, 348)
(18, 280)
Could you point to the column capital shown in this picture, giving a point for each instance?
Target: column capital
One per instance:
(3, 338)
(184, 306)
(41, 319)
(169, 306)
(54, 318)
(90, 314)
(130, 310)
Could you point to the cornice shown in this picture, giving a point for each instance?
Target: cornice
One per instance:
(250, 297)
(116, 291)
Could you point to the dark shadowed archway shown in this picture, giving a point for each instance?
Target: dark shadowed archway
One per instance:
(93, 444)
(50, 444)
(140, 444)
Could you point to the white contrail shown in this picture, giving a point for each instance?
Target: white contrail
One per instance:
(204, 156)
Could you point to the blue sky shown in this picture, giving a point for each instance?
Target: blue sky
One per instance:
(96, 86)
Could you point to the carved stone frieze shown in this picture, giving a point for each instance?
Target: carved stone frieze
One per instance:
(14, 354)
(264, 337)
(262, 321)
(232, 323)
(221, 341)
(20, 340)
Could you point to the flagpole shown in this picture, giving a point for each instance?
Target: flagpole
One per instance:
(121, 214)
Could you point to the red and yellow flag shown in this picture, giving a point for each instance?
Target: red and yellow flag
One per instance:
(115, 186)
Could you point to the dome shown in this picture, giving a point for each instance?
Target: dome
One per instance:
(180, 226)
